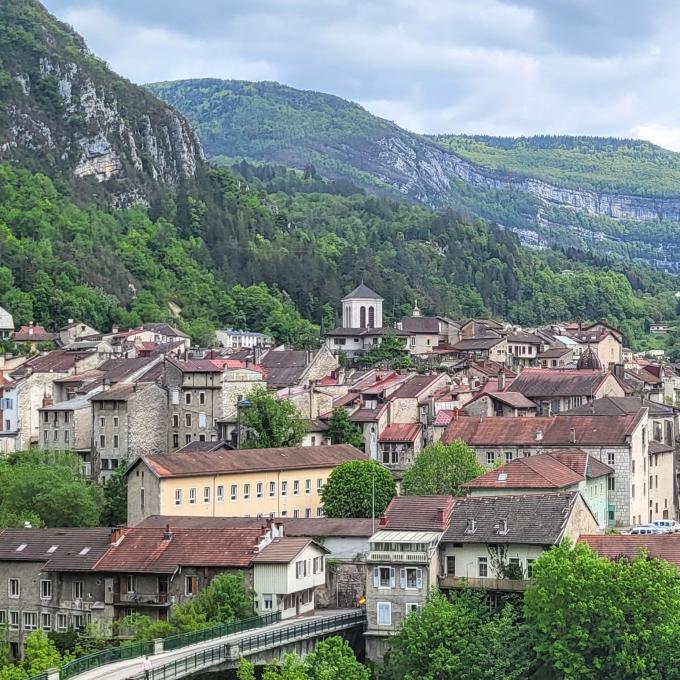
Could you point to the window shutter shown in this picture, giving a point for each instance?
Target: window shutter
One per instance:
(376, 577)
(402, 578)
(194, 585)
(419, 578)
(392, 577)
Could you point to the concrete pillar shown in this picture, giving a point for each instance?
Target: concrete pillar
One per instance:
(52, 674)
(158, 646)
(232, 652)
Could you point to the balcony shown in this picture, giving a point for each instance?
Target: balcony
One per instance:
(142, 599)
(499, 584)
(389, 557)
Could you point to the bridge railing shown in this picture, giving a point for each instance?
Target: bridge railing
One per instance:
(103, 657)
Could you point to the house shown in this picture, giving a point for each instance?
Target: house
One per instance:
(73, 331)
(622, 442)
(557, 472)
(646, 381)
(264, 482)
(660, 328)
(604, 340)
(6, 323)
(491, 403)
(287, 368)
(493, 348)
(286, 574)
(523, 348)
(399, 445)
(67, 425)
(31, 335)
(492, 542)
(556, 357)
(556, 390)
(480, 328)
(237, 339)
(403, 564)
(8, 414)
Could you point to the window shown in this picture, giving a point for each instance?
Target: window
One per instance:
(267, 602)
(45, 436)
(178, 496)
(14, 620)
(412, 607)
(3, 617)
(234, 492)
(131, 583)
(45, 590)
(610, 459)
(66, 436)
(187, 419)
(383, 577)
(319, 512)
(632, 466)
(632, 491)
(175, 420)
(508, 456)
(62, 622)
(319, 484)
(308, 512)
(220, 493)
(308, 486)
(611, 483)
(384, 611)
(272, 488)
(296, 487)
(46, 621)
(175, 441)
(77, 590)
(187, 439)
(102, 440)
(190, 586)
(296, 513)
(259, 489)
(530, 567)
(318, 565)
(14, 587)
(246, 492)
(78, 621)
(206, 494)
(490, 457)
(201, 398)
(115, 421)
(411, 578)
(451, 565)
(102, 421)
(115, 441)
(301, 569)
(187, 398)
(284, 488)
(142, 497)
(482, 567)
(46, 417)
(56, 435)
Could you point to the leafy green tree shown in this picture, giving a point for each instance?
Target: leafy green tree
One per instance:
(114, 505)
(442, 469)
(391, 351)
(269, 422)
(590, 617)
(49, 484)
(348, 492)
(226, 599)
(40, 653)
(458, 637)
(341, 430)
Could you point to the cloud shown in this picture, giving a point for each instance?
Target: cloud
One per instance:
(505, 67)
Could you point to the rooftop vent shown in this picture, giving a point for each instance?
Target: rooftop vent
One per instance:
(84, 551)
(52, 548)
(471, 526)
(502, 476)
(21, 547)
(539, 435)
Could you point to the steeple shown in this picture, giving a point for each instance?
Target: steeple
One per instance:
(416, 309)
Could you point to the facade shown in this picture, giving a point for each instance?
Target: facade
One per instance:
(286, 574)
(67, 425)
(8, 414)
(6, 323)
(509, 404)
(237, 339)
(362, 308)
(493, 348)
(523, 348)
(284, 482)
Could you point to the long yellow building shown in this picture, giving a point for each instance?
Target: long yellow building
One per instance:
(281, 482)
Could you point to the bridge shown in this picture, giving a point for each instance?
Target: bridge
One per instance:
(260, 639)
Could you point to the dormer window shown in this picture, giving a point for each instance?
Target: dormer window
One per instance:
(471, 526)
(502, 526)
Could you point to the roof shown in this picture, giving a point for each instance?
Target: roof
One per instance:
(405, 536)
(120, 392)
(514, 399)
(284, 550)
(164, 329)
(477, 344)
(366, 415)
(238, 333)
(197, 446)
(292, 526)
(542, 430)
(614, 406)
(546, 471)
(415, 386)
(554, 353)
(118, 370)
(285, 367)
(250, 460)
(400, 432)
(659, 447)
(72, 549)
(32, 333)
(420, 324)
(68, 405)
(412, 513)
(643, 375)
(659, 546)
(527, 338)
(537, 519)
(316, 425)
(362, 292)
(149, 550)
(56, 361)
(383, 330)
(443, 418)
(194, 365)
(558, 382)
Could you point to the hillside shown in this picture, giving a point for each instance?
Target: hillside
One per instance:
(611, 197)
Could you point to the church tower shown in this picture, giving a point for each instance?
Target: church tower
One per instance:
(362, 308)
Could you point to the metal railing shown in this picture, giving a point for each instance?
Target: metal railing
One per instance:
(105, 656)
(186, 665)
(221, 630)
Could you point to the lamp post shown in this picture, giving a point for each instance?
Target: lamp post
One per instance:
(373, 475)
(243, 403)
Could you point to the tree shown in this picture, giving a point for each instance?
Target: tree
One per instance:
(226, 599)
(441, 469)
(391, 350)
(40, 653)
(458, 637)
(114, 508)
(270, 422)
(590, 617)
(341, 430)
(348, 492)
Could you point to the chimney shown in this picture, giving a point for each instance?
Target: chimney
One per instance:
(47, 401)
(116, 534)
(167, 534)
(114, 329)
(572, 436)
(70, 321)
(279, 529)
(501, 379)
(383, 521)
(257, 354)
(441, 515)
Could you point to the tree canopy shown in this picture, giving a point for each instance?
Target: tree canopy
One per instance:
(341, 430)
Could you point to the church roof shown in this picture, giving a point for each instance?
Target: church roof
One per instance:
(363, 292)
(588, 360)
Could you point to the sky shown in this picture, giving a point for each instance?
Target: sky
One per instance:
(498, 67)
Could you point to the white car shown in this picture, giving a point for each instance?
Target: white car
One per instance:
(646, 530)
(669, 524)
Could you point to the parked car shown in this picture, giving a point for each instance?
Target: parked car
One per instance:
(669, 524)
(646, 530)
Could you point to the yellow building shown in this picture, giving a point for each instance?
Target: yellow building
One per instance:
(281, 482)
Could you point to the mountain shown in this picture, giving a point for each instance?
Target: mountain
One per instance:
(66, 114)
(612, 197)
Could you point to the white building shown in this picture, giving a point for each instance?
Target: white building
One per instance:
(236, 339)
(6, 323)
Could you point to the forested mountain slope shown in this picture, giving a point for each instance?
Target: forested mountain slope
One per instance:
(611, 197)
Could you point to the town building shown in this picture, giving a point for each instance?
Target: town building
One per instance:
(252, 482)
(238, 339)
(6, 323)
(494, 348)
(523, 348)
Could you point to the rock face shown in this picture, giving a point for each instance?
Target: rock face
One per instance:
(63, 111)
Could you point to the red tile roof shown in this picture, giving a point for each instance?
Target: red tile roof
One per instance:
(415, 386)
(443, 418)
(284, 550)
(660, 546)
(400, 432)
(542, 430)
(32, 334)
(148, 550)
(412, 513)
(249, 460)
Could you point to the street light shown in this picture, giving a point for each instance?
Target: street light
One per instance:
(243, 403)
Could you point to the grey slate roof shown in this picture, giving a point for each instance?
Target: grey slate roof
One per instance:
(363, 292)
(420, 324)
(618, 406)
(537, 519)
